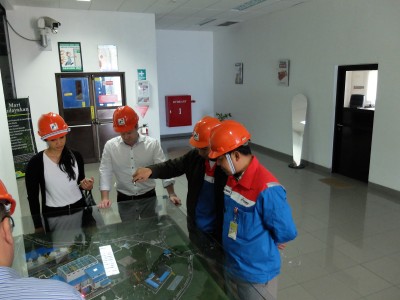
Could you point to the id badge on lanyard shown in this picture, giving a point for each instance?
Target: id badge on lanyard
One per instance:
(233, 225)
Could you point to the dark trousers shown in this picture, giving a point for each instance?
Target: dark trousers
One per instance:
(137, 207)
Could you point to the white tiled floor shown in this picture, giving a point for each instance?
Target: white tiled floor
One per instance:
(348, 245)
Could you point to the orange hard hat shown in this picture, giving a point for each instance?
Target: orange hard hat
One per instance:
(10, 203)
(227, 137)
(201, 132)
(52, 126)
(125, 119)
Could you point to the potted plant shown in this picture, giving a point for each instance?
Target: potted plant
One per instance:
(223, 116)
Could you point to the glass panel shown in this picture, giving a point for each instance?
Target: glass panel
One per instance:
(108, 92)
(75, 92)
(360, 89)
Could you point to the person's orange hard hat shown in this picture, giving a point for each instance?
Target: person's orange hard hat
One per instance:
(202, 130)
(124, 119)
(7, 199)
(52, 126)
(227, 137)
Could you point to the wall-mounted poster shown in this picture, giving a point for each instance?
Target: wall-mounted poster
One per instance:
(283, 72)
(21, 133)
(143, 93)
(70, 57)
(239, 73)
(108, 59)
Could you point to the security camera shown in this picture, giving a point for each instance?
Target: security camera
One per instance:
(46, 22)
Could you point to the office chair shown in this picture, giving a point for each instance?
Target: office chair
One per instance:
(356, 101)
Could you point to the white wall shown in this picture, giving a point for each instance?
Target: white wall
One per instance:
(185, 66)
(7, 171)
(316, 36)
(133, 34)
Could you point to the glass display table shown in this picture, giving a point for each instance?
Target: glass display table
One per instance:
(106, 258)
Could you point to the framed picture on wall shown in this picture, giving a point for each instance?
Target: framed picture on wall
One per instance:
(283, 72)
(70, 56)
(239, 73)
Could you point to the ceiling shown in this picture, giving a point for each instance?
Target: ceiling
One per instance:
(203, 15)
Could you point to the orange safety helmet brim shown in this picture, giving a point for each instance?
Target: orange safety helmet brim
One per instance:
(4, 195)
(201, 133)
(227, 137)
(52, 126)
(124, 119)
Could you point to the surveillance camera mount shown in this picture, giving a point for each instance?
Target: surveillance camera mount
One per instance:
(45, 25)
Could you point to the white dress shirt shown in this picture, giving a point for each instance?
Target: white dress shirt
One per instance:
(122, 160)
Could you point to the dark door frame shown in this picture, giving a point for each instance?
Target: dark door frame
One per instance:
(340, 91)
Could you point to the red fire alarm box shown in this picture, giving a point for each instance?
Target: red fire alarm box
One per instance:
(179, 110)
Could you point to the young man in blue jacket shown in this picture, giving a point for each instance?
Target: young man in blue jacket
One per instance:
(257, 217)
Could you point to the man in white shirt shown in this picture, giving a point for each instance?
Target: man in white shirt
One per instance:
(121, 157)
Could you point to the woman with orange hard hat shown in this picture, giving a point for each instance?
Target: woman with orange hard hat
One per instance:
(57, 173)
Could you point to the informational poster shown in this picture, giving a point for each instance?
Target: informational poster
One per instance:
(108, 58)
(283, 72)
(143, 93)
(239, 73)
(21, 133)
(70, 57)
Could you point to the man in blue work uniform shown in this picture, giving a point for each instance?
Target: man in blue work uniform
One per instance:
(257, 217)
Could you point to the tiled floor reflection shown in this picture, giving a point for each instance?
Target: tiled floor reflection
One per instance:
(348, 245)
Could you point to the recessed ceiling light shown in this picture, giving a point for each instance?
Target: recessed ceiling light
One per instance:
(247, 4)
(83, 0)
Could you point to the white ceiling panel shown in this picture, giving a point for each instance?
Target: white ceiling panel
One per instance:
(135, 5)
(36, 3)
(106, 5)
(227, 4)
(73, 4)
(201, 4)
(173, 14)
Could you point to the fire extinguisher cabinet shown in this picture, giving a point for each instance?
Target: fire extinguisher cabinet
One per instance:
(178, 110)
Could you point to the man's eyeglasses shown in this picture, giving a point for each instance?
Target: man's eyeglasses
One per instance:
(11, 220)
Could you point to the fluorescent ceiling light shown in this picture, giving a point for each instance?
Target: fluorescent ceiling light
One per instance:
(83, 0)
(247, 4)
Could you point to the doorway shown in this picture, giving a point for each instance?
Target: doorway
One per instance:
(354, 118)
(87, 102)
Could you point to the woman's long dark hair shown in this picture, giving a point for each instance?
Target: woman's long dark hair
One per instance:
(66, 163)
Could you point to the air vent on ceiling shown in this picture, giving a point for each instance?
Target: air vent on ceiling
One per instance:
(247, 4)
(228, 23)
(206, 21)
